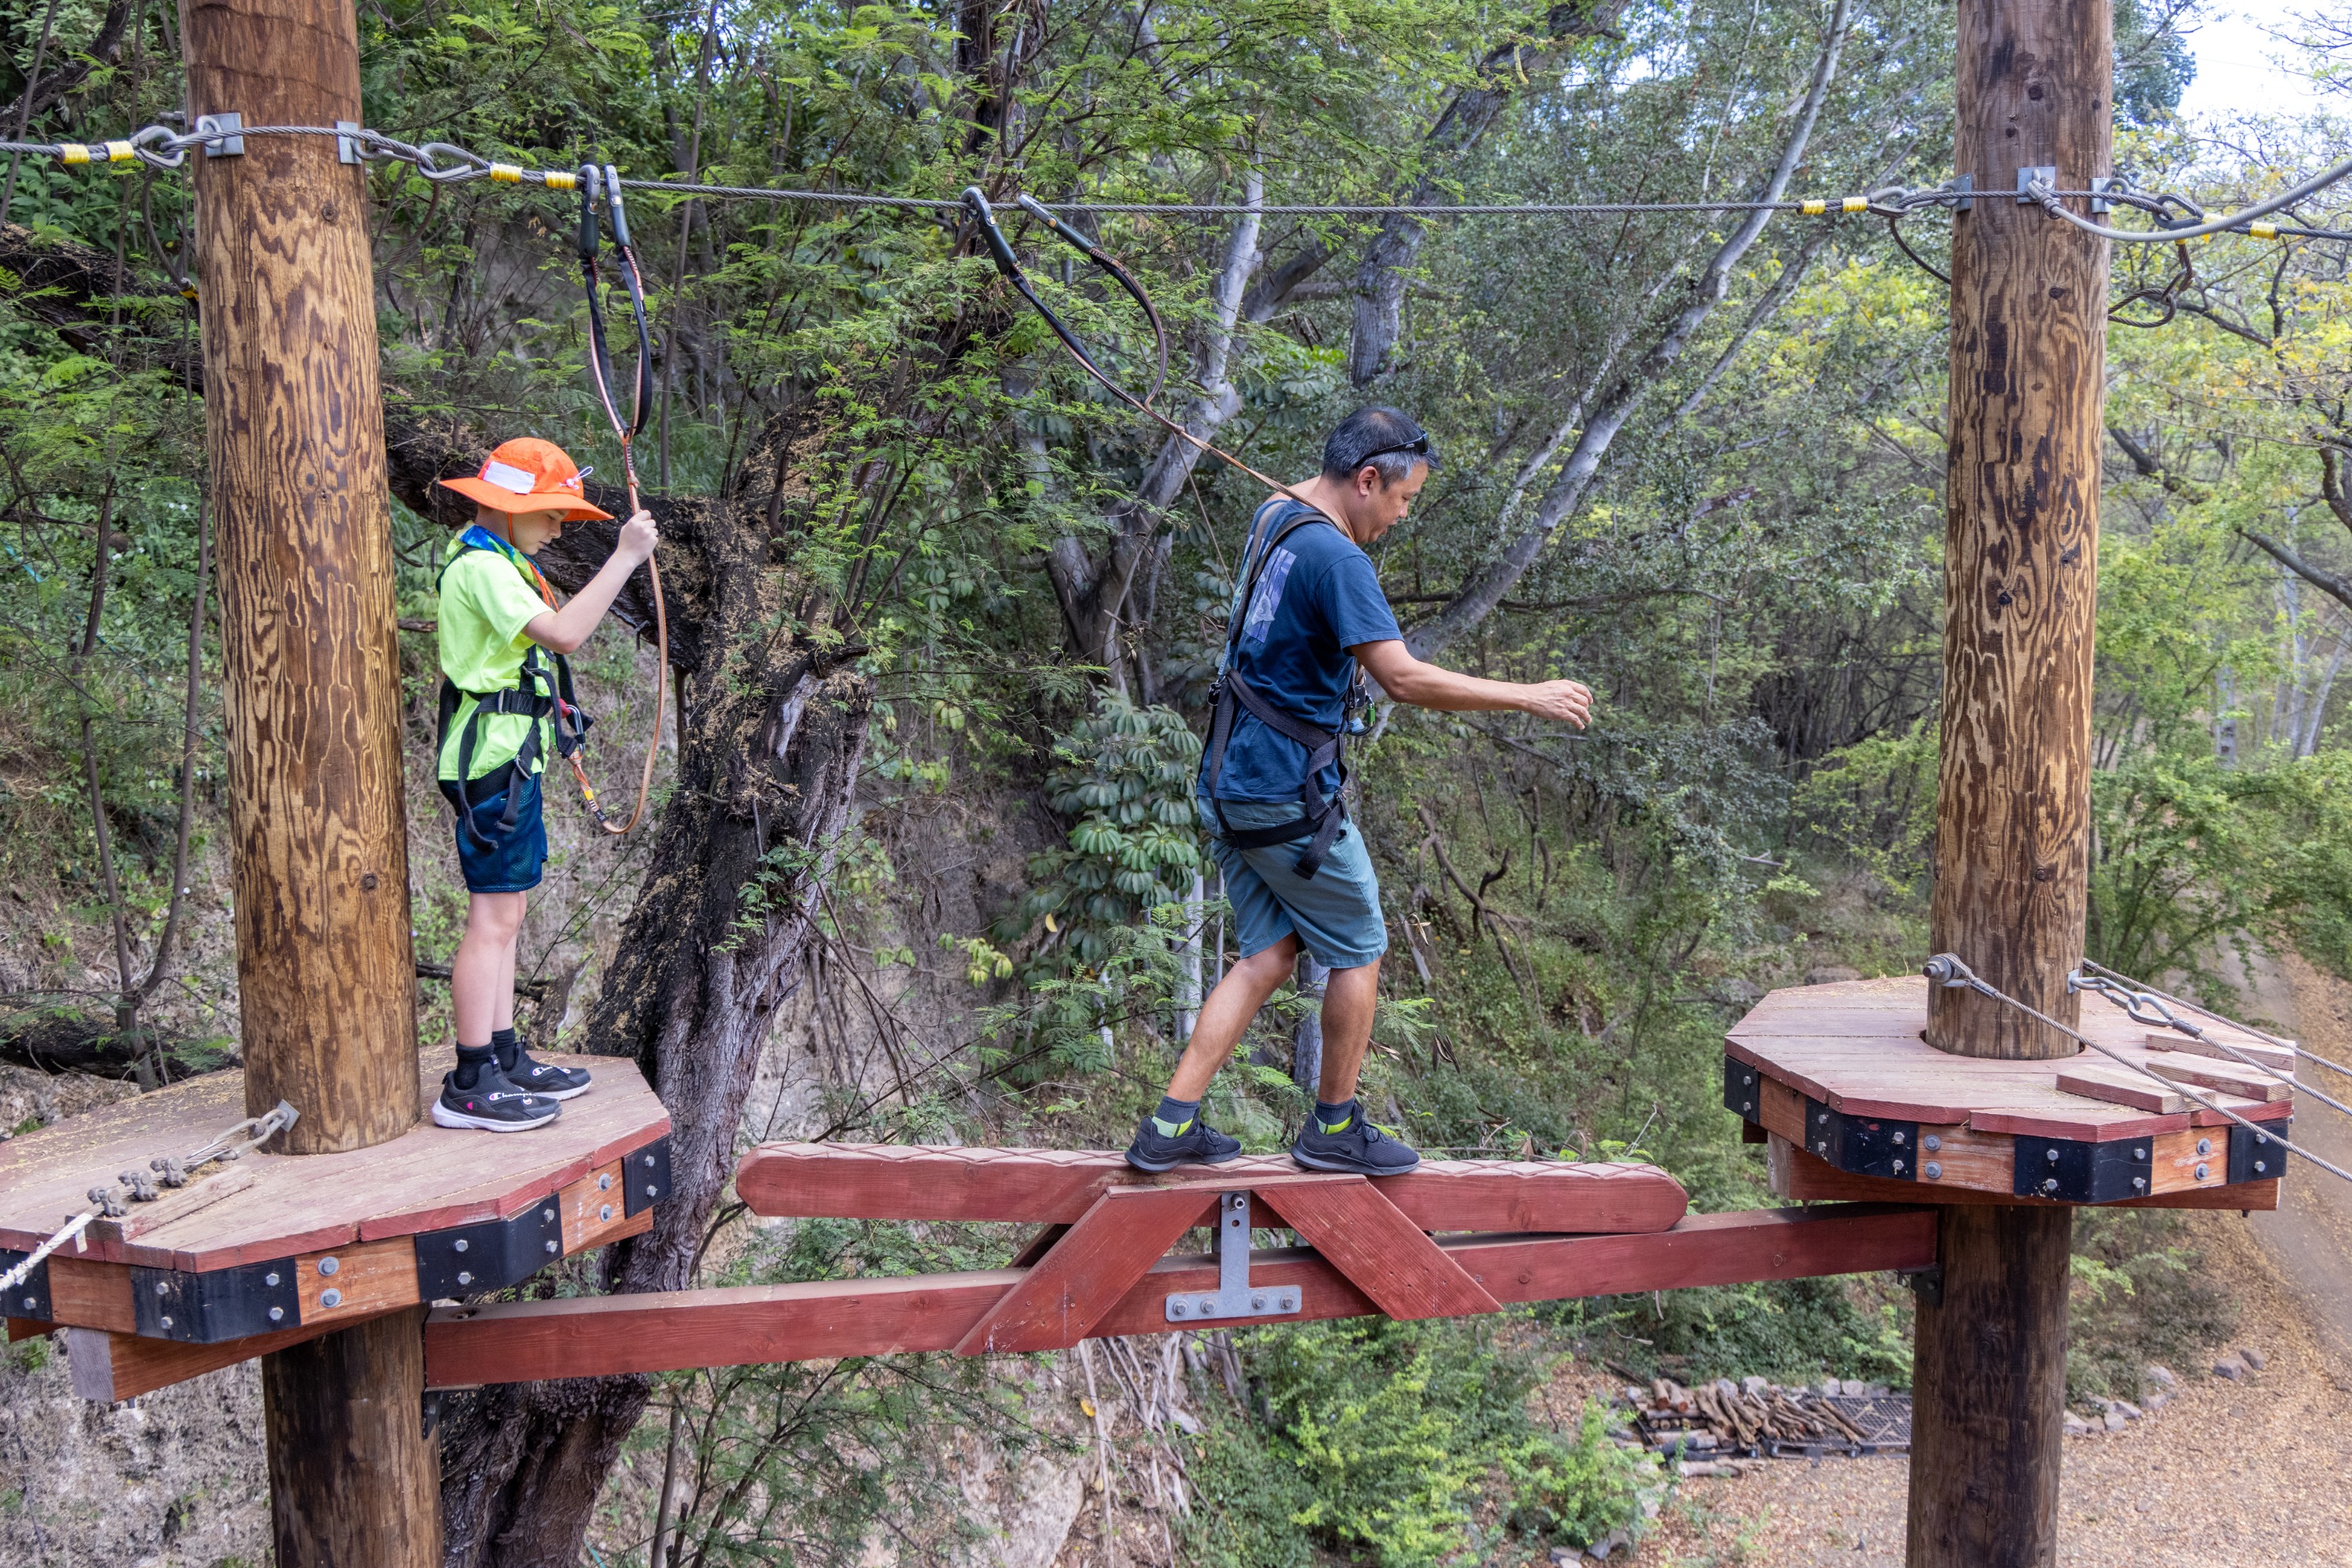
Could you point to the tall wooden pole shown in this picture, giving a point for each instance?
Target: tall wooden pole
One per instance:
(295, 429)
(2013, 814)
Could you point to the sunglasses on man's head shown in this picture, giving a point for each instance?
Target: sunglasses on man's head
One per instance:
(1418, 447)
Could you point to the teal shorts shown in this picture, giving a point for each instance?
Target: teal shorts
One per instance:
(1336, 913)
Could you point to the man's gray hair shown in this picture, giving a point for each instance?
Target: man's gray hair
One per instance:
(1387, 438)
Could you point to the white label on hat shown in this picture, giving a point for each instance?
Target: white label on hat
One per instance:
(507, 477)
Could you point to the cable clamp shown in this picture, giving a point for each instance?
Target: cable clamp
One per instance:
(466, 165)
(218, 133)
(2101, 183)
(159, 147)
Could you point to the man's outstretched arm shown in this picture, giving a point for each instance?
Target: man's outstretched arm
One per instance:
(1409, 680)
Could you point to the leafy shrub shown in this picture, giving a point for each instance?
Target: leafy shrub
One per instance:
(1397, 1433)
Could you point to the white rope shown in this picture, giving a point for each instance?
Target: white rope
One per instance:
(249, 1133)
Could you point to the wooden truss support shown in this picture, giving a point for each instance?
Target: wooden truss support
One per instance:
(599, 1336)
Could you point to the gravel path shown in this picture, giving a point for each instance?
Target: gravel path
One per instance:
(2252, 1472)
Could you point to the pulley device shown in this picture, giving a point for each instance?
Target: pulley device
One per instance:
(605, 185)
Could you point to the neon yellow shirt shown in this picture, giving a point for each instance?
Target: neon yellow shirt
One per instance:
(489, 593)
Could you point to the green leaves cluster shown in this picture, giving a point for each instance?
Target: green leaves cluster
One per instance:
(1127, 774)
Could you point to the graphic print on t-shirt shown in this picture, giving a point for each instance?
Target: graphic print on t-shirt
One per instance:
(1268, 597)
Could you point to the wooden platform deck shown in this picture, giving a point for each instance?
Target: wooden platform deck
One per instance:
(286, 1246)
(1843, 1074)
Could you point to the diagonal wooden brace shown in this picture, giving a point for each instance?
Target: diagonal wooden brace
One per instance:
(1083, 1275)
(1383, 1254)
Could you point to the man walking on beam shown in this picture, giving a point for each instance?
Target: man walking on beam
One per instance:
(1290, 689)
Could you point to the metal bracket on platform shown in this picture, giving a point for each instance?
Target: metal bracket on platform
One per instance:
(2032, 175)
(1235, 1298)
(1927, 1284)
(222, 146)
(31, 1298)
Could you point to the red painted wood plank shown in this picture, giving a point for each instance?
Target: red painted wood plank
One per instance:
(1353, 1223)
(594, 1336)
(1061, 1298)
(1055, 1186)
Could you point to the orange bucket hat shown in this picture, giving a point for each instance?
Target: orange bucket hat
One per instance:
(528, 474)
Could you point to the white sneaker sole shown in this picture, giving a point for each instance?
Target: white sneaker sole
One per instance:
(445, 1117)
(560, 1093)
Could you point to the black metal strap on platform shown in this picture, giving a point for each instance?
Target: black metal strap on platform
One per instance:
(1322, 818)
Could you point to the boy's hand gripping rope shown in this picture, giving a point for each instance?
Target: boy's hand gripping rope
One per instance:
(599, 370)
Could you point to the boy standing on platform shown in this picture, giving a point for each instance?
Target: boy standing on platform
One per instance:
(505, 710)
(1308, 622)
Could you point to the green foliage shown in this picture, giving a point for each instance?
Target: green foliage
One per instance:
(1125, 774)
(2141, 1294)
(1398, 1433)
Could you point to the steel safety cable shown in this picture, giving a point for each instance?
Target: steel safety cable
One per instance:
(1947, 970)
(599, 371)
(2262, 1035)
(2144, 1006)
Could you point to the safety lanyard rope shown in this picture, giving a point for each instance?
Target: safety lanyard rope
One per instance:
(599, 371)
(977, 205)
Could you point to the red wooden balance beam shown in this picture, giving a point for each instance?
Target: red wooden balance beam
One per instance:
(1529, 1232)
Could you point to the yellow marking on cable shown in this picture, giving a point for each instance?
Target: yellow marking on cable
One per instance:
(507, 173)
(1814, 209)
(1857, 204)
(560, 180)
(72, 152)
(2262, 230)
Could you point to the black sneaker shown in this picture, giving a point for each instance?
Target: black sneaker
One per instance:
(1359, 1148)
(493, 1105)
(545, 1078)
(1199, 1145)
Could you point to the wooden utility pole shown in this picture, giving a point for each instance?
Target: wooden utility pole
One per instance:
(295, 429)
(2013, 814)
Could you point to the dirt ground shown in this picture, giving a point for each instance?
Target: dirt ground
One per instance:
(2227, 1472)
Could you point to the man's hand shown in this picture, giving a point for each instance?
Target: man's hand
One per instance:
(1568, 701)
(1408, 680)
(639, 537)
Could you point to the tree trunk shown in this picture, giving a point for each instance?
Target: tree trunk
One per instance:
(1487, 587)
(1380, 276)
(714, 944)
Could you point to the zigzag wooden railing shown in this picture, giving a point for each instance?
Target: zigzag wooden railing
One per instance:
(1454, 1238)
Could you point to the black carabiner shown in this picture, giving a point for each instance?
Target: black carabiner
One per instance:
(1109, 263)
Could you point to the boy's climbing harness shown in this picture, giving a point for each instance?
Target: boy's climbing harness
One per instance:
(607, 183)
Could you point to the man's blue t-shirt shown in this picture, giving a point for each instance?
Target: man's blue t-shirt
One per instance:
(1317, 597)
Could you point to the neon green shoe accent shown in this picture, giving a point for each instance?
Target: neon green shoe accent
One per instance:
(1337, 1126)
(1171, 1129)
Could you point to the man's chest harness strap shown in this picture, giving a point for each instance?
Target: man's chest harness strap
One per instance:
(1325, 748)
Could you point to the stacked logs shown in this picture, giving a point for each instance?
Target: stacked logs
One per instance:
(1712, 1421)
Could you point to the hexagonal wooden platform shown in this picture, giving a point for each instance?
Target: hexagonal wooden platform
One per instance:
(285, 1246)
(1859, 1106)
